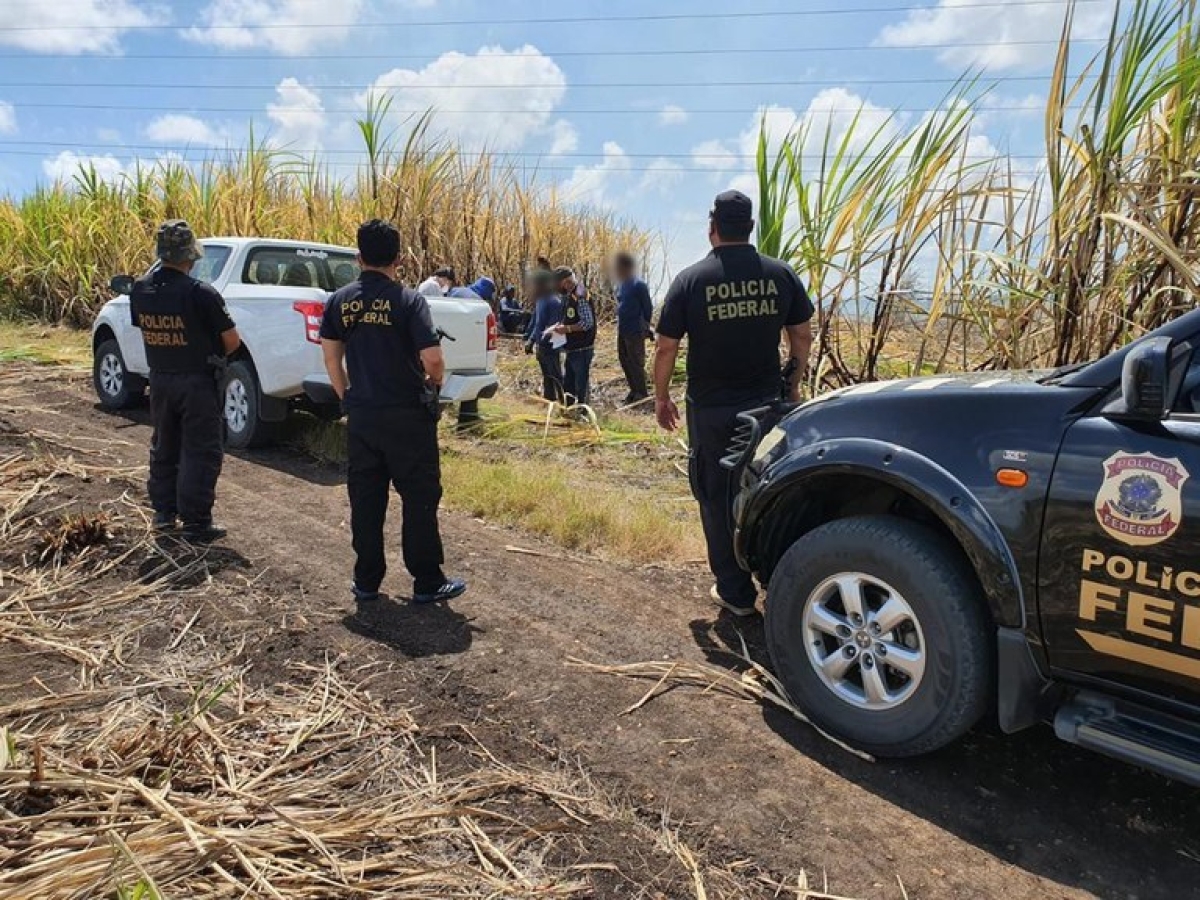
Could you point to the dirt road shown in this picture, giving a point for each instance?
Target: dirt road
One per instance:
(993, 816)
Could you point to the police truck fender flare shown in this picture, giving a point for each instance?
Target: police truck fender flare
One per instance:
(916, 476)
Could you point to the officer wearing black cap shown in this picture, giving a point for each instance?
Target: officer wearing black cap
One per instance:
(385, 361)
(188, 333)
(732, 306)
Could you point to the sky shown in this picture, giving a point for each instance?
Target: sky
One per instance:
(646, 109)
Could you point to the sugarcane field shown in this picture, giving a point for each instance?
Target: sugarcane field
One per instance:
(674, 452)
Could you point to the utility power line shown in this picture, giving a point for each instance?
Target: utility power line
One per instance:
(557, 111)
(575, 86)
(556, 20)
(556, 54)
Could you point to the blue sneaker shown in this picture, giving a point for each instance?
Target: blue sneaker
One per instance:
(451, 588)
(361, 596)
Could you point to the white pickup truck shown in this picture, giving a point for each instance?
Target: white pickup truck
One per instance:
(276, 292)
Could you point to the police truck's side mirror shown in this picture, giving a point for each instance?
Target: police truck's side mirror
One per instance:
(1145, 382)
(121, 284)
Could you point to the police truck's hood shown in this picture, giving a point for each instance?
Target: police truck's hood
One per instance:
(923, 411)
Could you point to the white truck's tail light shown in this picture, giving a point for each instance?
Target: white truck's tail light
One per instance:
(493, 332)
(313, 311)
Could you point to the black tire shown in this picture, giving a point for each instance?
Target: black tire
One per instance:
(948, 625)
(241, 405)
(114, 384)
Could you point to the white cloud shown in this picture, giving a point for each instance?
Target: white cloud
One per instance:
(833, 111)
(566, 138)
(837, 111)
(74, 28)
(286, 27)
(187, 131)
(299, 116)
(660, 176)
(8, 118)
(596, 185)
(68, 165)
(494, 98)
(715, 155)
(672, 115)
(990, 35)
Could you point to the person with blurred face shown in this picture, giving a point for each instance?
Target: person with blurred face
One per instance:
(733, 306)
(539, 340)
(635, 312)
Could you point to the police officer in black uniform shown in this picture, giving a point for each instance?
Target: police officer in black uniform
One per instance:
(732, 306)
(385, 362)
(188, 334)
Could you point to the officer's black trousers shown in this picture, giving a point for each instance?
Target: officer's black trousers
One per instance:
(395, 447)
(551, 364)
(186, 452)
(714, 487)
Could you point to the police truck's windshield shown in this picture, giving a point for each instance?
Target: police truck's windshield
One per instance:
(209, 267)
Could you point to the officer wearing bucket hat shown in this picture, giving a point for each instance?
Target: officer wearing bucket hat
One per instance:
(188, 334)
(733, 306)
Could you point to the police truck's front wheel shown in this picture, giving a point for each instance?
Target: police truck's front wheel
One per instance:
(115, 385)
(878, 630)
(241, 405)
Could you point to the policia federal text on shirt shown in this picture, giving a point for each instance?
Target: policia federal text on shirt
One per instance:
(384, 360)
(732, 306)
(187, 333)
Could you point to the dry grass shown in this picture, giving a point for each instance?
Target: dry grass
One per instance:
(136, 766)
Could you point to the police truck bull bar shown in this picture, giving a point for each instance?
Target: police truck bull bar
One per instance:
(745, 437)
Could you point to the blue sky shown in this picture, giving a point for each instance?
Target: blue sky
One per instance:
(644, 108)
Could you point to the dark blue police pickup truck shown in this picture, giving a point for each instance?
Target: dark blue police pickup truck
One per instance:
(938, 547)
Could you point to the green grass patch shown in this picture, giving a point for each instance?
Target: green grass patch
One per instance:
(601, 499)
(44, 345)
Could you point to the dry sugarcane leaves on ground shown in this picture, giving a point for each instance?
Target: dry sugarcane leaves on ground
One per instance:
(138, 759)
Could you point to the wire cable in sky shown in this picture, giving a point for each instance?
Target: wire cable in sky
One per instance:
(555, 54)
(557, 20)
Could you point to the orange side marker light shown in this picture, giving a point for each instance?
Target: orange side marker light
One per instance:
(1013, 478)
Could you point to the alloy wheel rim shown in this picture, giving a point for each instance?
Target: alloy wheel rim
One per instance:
(112, 375)
(237, 406)
(864, 641)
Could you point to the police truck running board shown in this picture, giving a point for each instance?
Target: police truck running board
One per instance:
(1133, 734)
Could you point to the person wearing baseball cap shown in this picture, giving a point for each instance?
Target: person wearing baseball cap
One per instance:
(188, 334)
(733, 307)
